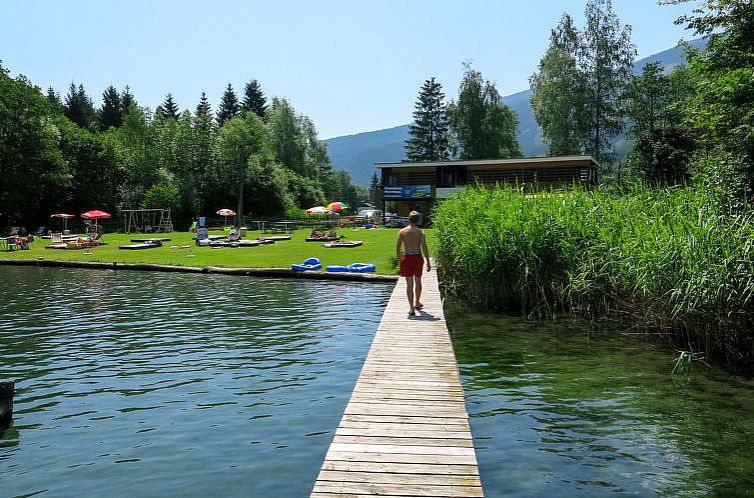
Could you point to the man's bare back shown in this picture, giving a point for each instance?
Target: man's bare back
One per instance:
(412, 238)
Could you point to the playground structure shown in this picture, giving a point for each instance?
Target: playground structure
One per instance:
(147, 220)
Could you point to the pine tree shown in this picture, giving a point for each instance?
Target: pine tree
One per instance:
(126, 100)
(54, 99)
(428, 134)
(254, 99)
(78, 106)
(229, 106)
(170, 108)
(203, 108)
(203, 159)
(111, 113)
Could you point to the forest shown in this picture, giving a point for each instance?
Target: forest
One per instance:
(63, 154)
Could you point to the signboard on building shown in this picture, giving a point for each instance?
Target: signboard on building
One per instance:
(408, 192)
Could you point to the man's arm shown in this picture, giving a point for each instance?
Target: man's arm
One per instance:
(425, 250)
(398, 243)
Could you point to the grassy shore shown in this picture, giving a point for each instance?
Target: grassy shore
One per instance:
(378, 248)
(674, 260)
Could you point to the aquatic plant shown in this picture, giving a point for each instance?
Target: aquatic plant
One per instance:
(673, 259)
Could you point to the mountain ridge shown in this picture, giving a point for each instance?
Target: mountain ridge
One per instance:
(358, 152)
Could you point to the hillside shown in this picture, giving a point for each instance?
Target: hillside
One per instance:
(358, 153)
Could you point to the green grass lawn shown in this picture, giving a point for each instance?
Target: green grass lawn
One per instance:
(378, 248)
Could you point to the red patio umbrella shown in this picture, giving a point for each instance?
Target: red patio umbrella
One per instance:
(65, 218)
(95, 215)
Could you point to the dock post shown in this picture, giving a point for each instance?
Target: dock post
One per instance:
(6, 402)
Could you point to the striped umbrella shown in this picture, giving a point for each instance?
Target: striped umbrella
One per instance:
(337, 206)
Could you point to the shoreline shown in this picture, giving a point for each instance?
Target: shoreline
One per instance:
(251, 272)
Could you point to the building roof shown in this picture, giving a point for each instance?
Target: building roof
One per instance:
(481, 162)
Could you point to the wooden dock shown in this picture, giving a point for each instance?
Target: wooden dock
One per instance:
(405, 431)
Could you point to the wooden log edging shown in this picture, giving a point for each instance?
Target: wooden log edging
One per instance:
(251, 272)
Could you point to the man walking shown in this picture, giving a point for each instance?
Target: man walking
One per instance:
(415, 243)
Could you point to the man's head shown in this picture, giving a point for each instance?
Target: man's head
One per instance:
(413, 217)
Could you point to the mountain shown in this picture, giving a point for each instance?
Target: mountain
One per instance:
(358, 153)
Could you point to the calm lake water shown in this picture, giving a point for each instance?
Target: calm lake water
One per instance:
(154, 384)
(172, 385)
(561, 409)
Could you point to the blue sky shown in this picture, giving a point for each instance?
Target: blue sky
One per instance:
(351, 66)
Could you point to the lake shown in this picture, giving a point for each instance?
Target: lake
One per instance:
(568, 409)
(164, 384)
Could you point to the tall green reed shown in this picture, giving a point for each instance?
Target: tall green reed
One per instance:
(672, 259)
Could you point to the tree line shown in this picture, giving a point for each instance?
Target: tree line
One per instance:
(63, 154)
(693, 123)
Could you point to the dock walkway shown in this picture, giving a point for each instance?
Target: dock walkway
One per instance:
(405, 431)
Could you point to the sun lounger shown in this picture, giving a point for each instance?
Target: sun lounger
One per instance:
(340, 243)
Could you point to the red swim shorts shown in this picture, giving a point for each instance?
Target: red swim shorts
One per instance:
(411, 265)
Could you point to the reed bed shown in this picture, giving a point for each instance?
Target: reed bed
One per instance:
(674, 259)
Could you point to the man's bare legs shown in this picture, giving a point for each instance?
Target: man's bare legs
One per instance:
(418, 292)
(410, 295)
(414, 294)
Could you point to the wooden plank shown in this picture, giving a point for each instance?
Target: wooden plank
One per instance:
(401, 468)
(374, 431)
(356, 495)
(410, 410)
(399, 478)
(405, 440)
(401, 458)
(374, 396)
(378, 489)
(378, 425)
(405, 430)
(401, 419)
(401, 448)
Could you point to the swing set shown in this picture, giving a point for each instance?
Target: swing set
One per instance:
(147, 220)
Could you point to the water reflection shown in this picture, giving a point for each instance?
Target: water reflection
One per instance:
(177, 385)
(565, 410)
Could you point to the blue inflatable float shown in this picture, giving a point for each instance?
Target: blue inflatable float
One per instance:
(353, 268)
(309, 264)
